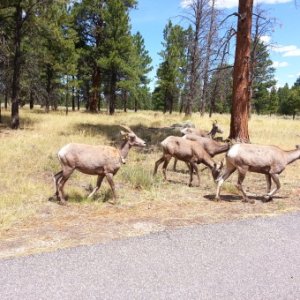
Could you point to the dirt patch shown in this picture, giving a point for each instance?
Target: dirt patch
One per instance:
(54, 227)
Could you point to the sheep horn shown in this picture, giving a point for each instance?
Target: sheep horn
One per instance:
(126, 128)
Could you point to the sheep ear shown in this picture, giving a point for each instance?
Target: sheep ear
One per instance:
(123, 133)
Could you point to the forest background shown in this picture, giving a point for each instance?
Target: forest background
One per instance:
(83, 54)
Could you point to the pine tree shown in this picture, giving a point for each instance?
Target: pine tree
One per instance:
(283, 95)
(273, 101)
(135, 92)
(117, 48)
(170, 72)
(90, 27)
(262, 78)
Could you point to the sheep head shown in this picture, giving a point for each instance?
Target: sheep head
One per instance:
(131, 137)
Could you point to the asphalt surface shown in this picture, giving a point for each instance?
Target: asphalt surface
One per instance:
(251, 259)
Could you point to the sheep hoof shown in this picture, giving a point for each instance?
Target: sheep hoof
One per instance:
(216, 199)
(112, 202)
(62, 202)
(267, 198)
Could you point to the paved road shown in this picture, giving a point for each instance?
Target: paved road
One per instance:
(252, 259)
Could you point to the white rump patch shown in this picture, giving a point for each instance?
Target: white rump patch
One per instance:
(63, 151)
(234, 150)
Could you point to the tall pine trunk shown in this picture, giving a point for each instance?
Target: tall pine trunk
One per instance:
(194, 72)
(241, 74)
(49, 74)
(112, 92)
(94, 96)
(209, 43)
(73, 94)
(6, 98)
(125, 100)
(31, 99)
(0, 111)
(15, 121)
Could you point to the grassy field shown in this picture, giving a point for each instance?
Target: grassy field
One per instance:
(29, 223)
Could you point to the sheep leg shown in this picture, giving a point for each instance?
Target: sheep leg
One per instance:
(166, 162)
(275, 178)
(109, 178)
(269, 183)
(193, 167)
(56, 179)
(157, 163)
(241, 177)
(175, 164)
(228, 171)
(66, 173)
(99, 181)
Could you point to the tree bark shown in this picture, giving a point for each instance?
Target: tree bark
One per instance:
(15, 121)
(73, 94)
(78, 100)
(49, 73)
(241, 74)
(197, 7)
(0, 112)
(112, 96)
(209, 43)
(31, 100)
(125, 99)
(94, 96)
(6, 98)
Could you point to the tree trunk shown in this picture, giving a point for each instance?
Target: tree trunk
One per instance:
(125, 99)
(49, 73)
(6, 98)
(209, 43)
(212, 107)
(31, 100)
(67, 97)
(135, 105)
(165, 103)
(78, 99)
(94, 96)
(73, 94)
(170, 103)
(86, 94)
(241, 74)
(192, 88)
(197, 7)
(15, 121)
(112, 97)
(0, 111)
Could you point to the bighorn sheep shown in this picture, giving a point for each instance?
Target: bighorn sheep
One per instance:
(103, 161)
(210, 146)
(204, 133)
(188, 151)
(268, 160)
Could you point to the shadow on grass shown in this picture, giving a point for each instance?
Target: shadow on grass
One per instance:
(152, 136)
(25, 122)
(104, 196)
(234, 198)
(76, 197)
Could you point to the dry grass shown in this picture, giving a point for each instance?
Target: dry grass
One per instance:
(29, 223)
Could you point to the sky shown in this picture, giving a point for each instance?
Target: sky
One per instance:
(151, 16)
